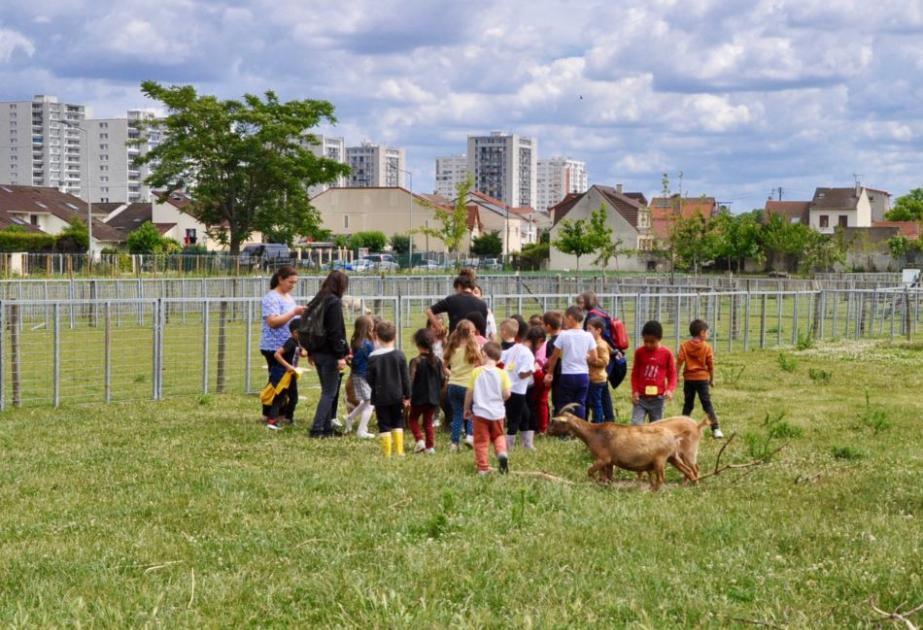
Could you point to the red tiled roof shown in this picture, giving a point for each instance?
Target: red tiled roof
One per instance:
(664, 209)
(789, 209)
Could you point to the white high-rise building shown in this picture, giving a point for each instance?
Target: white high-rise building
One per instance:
(556, 178)
(450, 172)
(37, 148)
(376, 165)
(113, 145)
(504, 167)
(332, 149)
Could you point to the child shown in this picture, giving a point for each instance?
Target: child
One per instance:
(362, 347)
(519, 364)
(488, 389)
(390, 382)
(480, 325)
(462, 355)
(572, 348)
(699, 373)
(426, 384)
(437, 327)
(535, 320)
(538, 392)
(281, 394)
(552, 322)
(653, 375)
(599, 378)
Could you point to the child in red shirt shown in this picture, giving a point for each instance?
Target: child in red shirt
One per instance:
(653, 375)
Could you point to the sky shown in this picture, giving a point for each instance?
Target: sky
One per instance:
(741, 97)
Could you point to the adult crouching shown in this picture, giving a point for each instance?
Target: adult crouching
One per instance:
(328, 353)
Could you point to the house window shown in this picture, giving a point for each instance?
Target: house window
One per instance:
(844, 220)
(345, 221)
(824, 221)
(33, 219)
(190, 238)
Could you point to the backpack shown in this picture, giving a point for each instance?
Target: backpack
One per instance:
(311, 334)
(614, 332)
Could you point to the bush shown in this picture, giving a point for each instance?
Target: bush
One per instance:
(489, 244)
(17, 241)
(146, 239)
(873, 418)
(847, 452)
(400, 243)
(805, 341)
(532, 257)
(374, 240)
(820, 377)
(787, 363)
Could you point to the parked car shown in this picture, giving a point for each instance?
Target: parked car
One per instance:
(428, 265)
(338, 265)
(383, 262)
(266, 255)
(361, 264)
(493, 264)
(473, 263)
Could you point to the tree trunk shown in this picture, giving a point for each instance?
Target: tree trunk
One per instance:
(234, 242)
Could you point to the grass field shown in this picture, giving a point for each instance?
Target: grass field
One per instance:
(186, 513)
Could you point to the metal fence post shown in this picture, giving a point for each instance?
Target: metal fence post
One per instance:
(763, 299)
(638, 318)
(2, 356)
(779, 319)
(248, 347)
(795, 318)
(908, 327)
(205, 314)
(156, 334)
(747, 323)
(107, 352)
(676, 315)
(56, 363)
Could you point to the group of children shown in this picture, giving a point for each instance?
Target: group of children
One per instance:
(494, 392)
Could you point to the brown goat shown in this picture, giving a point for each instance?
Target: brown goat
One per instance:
(689, 433)
(643, 448)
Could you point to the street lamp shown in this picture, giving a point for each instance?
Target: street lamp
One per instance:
(410, 259)
(89, 188)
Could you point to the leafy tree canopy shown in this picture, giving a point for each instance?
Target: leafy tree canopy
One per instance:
(489, 244)
(908, 207)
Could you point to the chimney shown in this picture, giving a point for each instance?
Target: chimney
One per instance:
(618, 188)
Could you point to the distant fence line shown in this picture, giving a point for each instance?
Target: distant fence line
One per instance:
(81, 350)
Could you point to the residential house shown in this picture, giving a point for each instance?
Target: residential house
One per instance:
(664, 210)
(391, 210)
(791, 211)
(840, 207)
(52, 211)
(629, 218)
(511, 223)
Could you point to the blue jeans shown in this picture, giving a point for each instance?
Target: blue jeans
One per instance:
(573, 388)
(596, 401)
(456, 399)
(329, 375)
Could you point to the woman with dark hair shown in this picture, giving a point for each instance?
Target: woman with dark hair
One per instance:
(457, 306)
(279, 309)
(329, 355)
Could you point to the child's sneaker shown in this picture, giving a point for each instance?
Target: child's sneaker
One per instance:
(365, 436)
(272, 425)
(453, 447)
(469, 441)
(717, 434)
(483, 472)
(335, 423)
(430, 451)
(504, 464)
(421, 446)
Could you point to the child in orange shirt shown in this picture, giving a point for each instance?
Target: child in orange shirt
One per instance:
(698, 373)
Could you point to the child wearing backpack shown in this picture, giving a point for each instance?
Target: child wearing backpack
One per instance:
(698, 360)
(389, 379)
(425, 387)
(597, 401)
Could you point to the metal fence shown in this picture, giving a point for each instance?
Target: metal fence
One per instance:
(79, 350)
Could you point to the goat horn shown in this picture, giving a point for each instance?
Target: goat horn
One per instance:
(569, 406)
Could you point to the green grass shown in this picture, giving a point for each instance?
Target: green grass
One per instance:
(186, 513)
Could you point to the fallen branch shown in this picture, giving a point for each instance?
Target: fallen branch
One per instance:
(897, 615)
(542, 475)
(192, 591)
(720, 469)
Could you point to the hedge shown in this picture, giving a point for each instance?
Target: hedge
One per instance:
(12, 241)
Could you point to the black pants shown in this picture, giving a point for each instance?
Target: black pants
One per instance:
(518, 417)
(330, 378)
(284, 405)
(690, 389)
(270, 357)
(390, 417)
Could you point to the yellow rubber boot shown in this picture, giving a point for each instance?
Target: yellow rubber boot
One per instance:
(385, 439)
(398, 435)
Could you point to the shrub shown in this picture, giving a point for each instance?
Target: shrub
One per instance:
(820, 377)
(489, 244)
(18, 241)
(532, 257)
(874, 418)
(847, 452)
(805, 341)
(146, 239)
(375, 241)
(787, 363)
(731, 375)
(783, 430)
(400, 243)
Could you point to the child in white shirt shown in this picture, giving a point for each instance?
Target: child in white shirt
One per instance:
(519, 363)
(572, 348)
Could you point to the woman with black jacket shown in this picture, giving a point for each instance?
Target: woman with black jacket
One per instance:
(329, 356)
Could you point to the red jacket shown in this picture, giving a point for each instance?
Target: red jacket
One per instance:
(655, 369)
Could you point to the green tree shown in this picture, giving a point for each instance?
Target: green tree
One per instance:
(245, 163)
(374, 240)
(75, 238)
(607, 246)
(780, 239)
(400, 243)
(574, 239)
(908, 207)
(695, 242)
(147, 239)
(489, 244)
(737, 238)
(532, 257)
(453, 223)
(821, 253)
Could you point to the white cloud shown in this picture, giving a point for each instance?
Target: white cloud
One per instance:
(11, 41)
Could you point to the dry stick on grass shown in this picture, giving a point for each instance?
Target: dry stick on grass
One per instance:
(720, 469)
(541, 475)
(192, 590)
(160, 566)
(897, 615)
